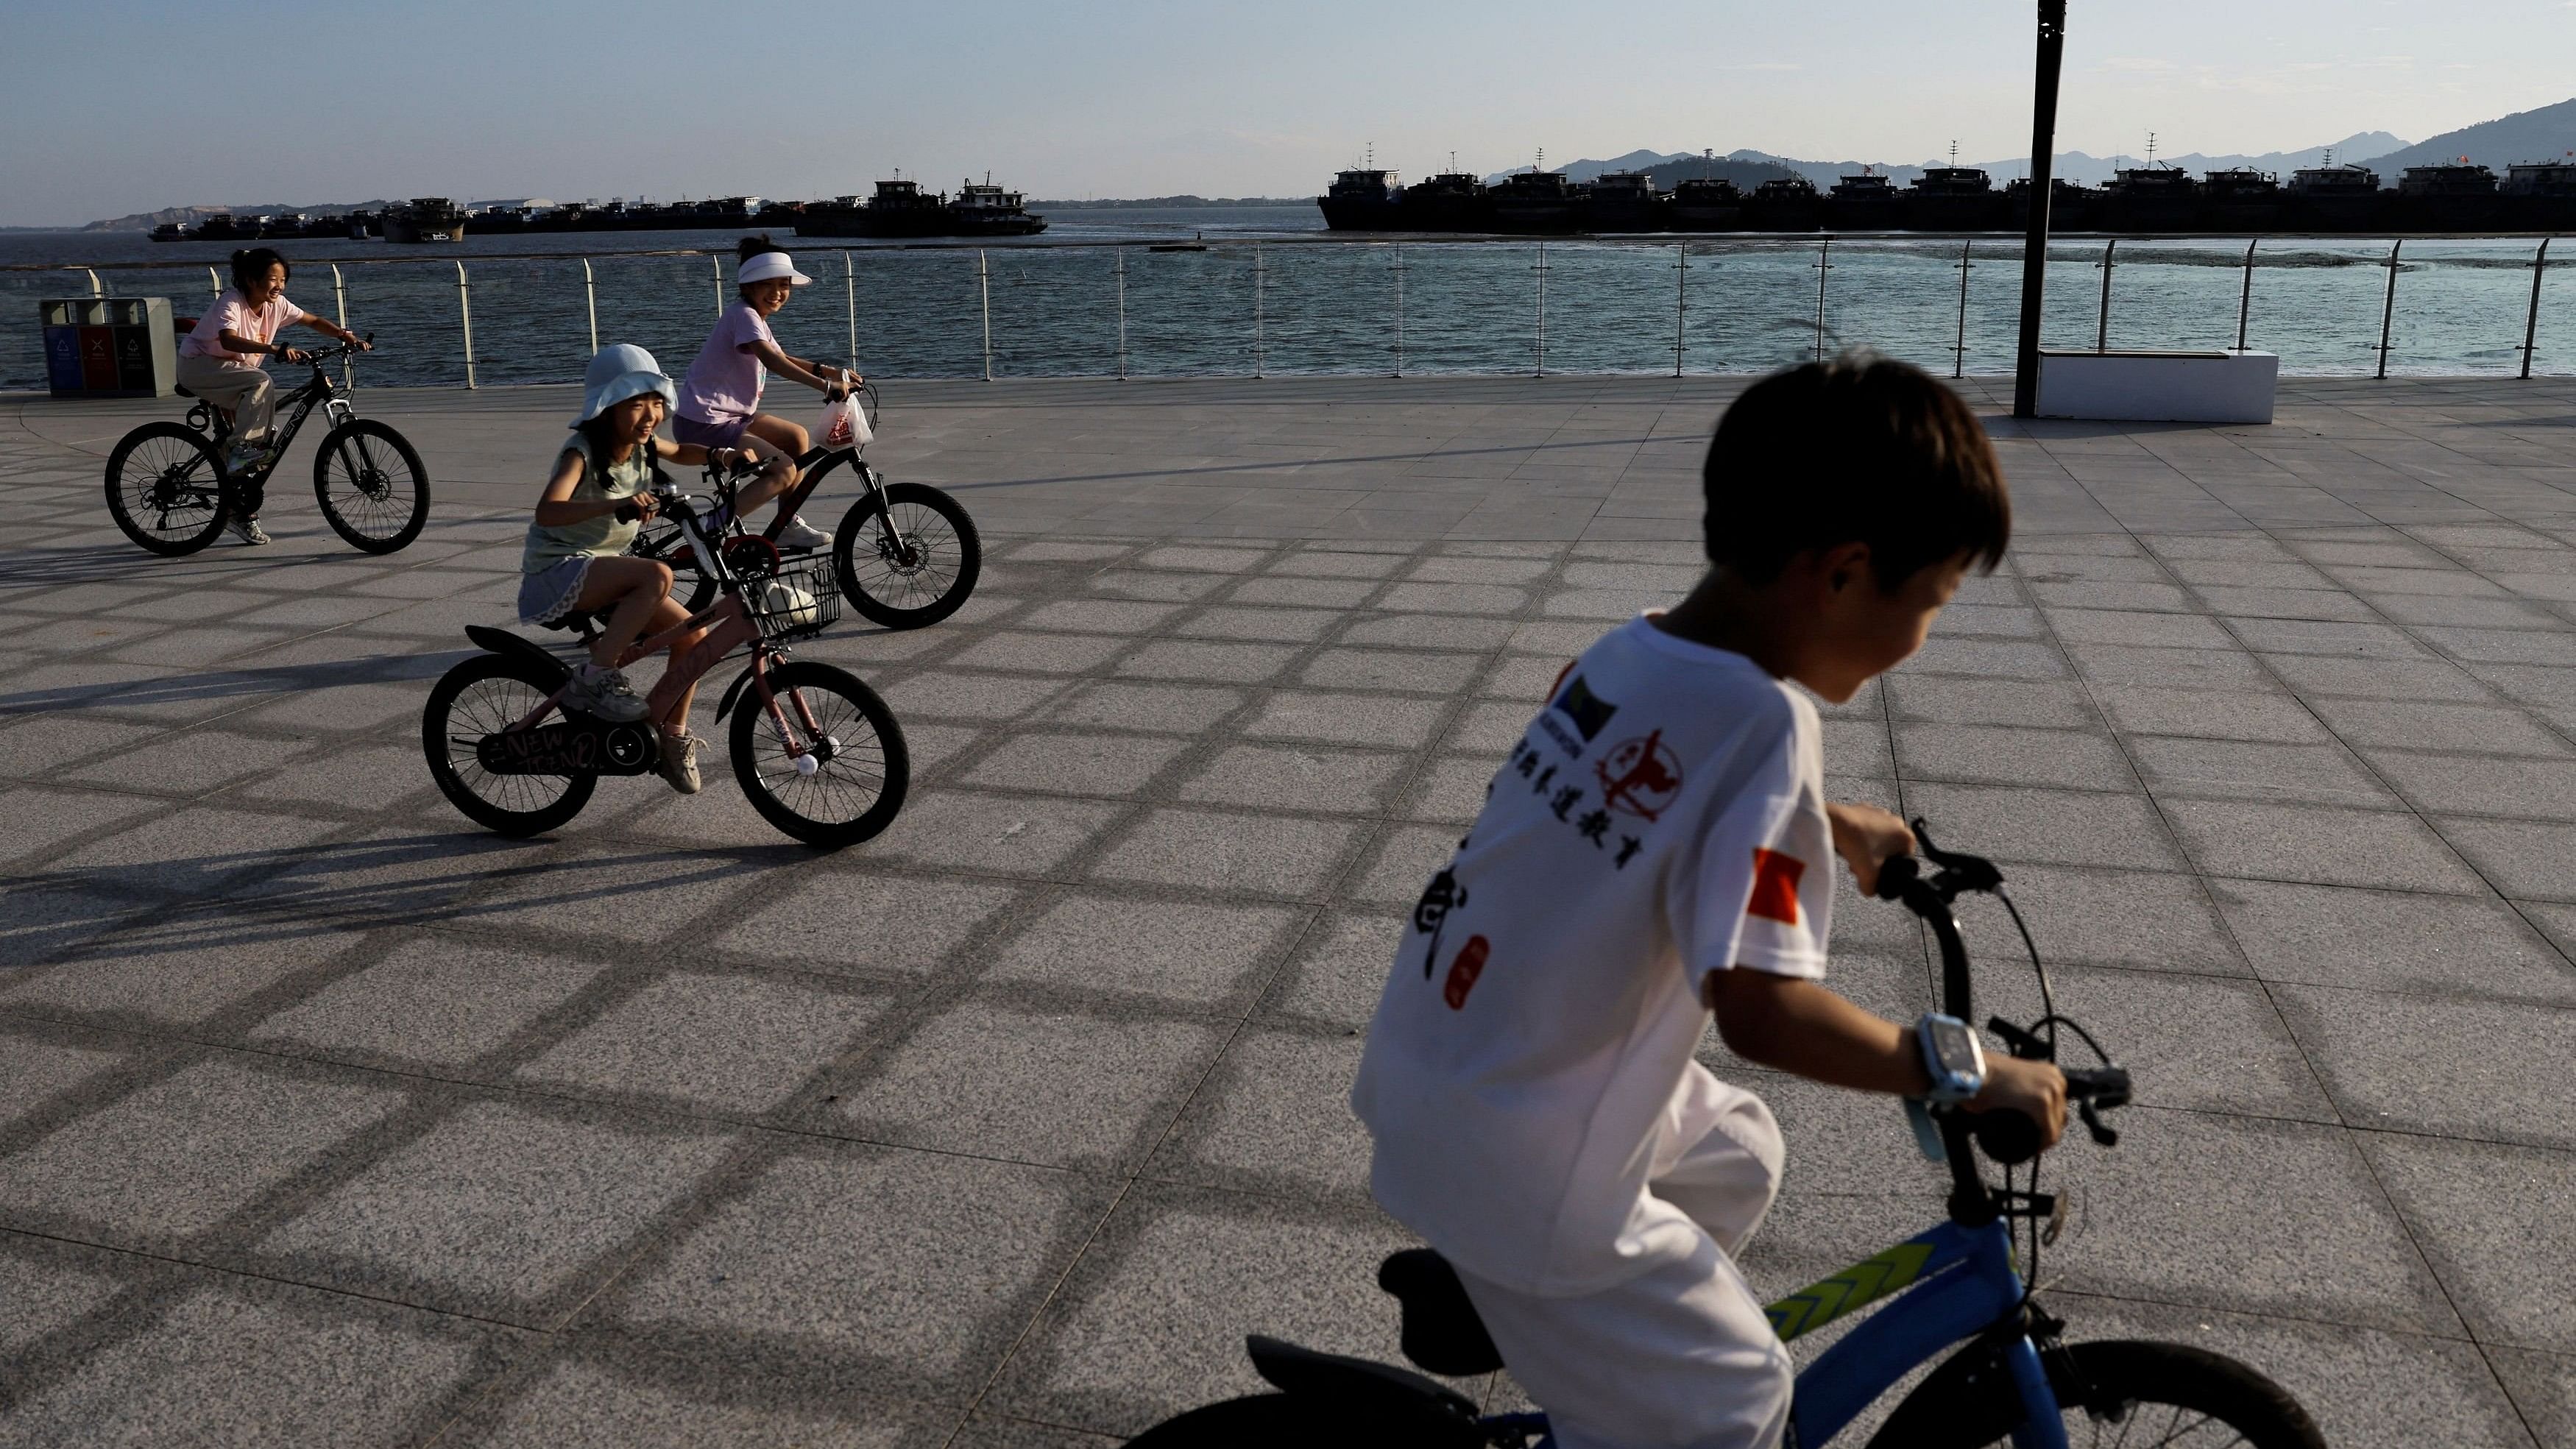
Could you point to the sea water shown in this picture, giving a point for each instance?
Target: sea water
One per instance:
(1276, 295)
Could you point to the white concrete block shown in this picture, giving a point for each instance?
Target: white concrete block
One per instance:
(2179, 387)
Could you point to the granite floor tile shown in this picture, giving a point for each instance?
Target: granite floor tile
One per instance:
(1196, 952)
(2045, 827)
(737, 1044)
(2458, 1069)
(2382, 940)
(2010, 756)
(1275, 1113)
(1288, 778)
(1265, 855)
(432, 1000)
(1075, 764)
(2473, 1206)
(2253, 770)
(2323, 845)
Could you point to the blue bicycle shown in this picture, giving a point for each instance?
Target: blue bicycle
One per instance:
(2013, 1378)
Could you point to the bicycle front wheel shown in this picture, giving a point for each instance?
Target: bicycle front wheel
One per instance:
(485, 695)
(2132, 1394)
(166, 488)
(371, 486)
(909, 557)
(855, 768)
(662, 541)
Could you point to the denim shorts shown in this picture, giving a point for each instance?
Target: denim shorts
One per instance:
(548, 594)
(692, 433)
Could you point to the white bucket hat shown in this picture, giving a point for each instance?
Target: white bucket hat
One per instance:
(769, 267)
(618, 373)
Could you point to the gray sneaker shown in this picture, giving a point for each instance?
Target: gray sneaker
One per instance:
(246, 529)
(797, 534)
(606, 695)
(679, 763)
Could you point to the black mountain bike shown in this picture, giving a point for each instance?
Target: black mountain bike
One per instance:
(169, 488)
(906, 554)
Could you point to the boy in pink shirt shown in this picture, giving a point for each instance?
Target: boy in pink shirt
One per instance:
(224, 360)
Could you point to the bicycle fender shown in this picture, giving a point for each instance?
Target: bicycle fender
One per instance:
(502, 641)
(733, 693)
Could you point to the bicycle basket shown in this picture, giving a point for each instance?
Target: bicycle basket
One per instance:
(798, 602)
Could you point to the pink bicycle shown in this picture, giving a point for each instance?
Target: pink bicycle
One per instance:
(816, 752)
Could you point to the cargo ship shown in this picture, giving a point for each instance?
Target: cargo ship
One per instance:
(2537, 196)
(425, 219)
(900, 208)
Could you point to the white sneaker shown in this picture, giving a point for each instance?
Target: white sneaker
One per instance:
(796, 533)
(603, 693)
(679, 763)
(247, 530)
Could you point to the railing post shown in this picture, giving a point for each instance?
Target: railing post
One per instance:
(717, 262)
(95, 289)
(1959, 347)
(984, 291)
(590, 292)
(1541, 272)
(2531, 319)
(1259, 298)
(1399, 311)
(1122, 313)
(1681, 294)
(2102, 324)
(2245, 296)
(465, 314)
(214, 283)
(850, 289)
(340, 302)
(2388, 308)
(1824, 264)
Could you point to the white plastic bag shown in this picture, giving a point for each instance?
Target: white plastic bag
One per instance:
(844, 425)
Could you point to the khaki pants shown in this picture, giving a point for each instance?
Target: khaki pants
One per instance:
(246, 391)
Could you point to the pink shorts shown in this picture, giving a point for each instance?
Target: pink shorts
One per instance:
(692, 433)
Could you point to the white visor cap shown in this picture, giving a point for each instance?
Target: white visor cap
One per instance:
(769, 267)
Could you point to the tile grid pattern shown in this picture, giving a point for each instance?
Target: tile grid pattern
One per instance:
(1003, 1129)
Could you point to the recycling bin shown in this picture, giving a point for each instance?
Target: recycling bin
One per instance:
(109, 346)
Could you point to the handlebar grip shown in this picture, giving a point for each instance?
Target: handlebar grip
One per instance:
(1894, 874)
(2010, 1138)
(628, 513)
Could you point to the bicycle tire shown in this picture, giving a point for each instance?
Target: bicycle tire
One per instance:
(662, 541)
(1285, 1421)
(787, 799)
(182, 454)
(1970, 1402)
(897, 592)
(372, 521)
(446, 749)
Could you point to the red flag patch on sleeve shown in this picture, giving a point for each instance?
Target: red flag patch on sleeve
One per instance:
(1775, 886)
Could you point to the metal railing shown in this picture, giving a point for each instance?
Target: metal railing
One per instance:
(1401, 262)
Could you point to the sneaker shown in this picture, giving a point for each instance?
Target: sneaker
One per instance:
(796, 533)
(679, 763)
(604, 693)
(247, 530)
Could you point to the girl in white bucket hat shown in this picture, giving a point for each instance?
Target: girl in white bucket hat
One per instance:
(719, 403)
(575, 560)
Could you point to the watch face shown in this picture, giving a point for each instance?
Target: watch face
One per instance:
(1954, 1044)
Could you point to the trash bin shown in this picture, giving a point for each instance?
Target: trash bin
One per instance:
(109, 346)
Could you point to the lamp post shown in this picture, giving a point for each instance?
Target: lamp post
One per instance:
(2034, 257)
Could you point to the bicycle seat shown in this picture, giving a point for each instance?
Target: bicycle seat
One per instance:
(1383, 1404)
(1441, 1330)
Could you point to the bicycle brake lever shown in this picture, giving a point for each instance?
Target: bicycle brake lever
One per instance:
(2022, 1044)
(2103, 1133)
(1968, 872)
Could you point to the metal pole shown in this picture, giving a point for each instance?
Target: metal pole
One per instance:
(2034, 257)
(717, 262)
(95, 289)
(1259, 277)
(1824, 264)
(1541, 270)
(340, 299)
(2531, 320)
(2388, 308)
(465, 314)
(2245, 297)
(214, 283)
(1122, 314)
(1399, 311)
(1681, 289)
(1959, 348)
(590, 290)
(2102, 325)
(850, 288)
(984, 289)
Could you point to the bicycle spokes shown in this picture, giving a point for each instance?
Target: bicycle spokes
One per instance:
(824, 759)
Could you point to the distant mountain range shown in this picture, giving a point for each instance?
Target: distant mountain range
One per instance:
(2541, 135)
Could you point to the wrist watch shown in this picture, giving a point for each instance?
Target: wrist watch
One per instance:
(1952, 1057)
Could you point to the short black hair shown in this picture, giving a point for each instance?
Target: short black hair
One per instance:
(251, 263)
(1862, 449)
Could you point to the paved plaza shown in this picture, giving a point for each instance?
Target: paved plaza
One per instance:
(328, 1119)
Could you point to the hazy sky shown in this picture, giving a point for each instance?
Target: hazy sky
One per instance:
(115, 106)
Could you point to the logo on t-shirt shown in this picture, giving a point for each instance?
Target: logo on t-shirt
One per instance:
(1775, 886)
(1639, 777)
(1464, 971)
(1589, 711)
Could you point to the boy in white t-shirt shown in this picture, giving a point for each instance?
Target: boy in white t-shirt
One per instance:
(1658, 848)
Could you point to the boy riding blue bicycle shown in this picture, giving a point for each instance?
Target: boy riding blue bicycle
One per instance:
(1657, 851)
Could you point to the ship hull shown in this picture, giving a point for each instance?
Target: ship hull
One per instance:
(939, 224)
(407, 231)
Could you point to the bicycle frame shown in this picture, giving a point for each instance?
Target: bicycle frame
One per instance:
(320, 391)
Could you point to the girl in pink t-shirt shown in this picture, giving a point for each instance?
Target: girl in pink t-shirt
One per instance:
(224, 359)
(720, 398)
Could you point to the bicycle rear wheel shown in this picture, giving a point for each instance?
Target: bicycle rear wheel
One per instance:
(485, 695)
(2132, 1394)
(911, 561)
(166, 488)
(860, 769)
(1284, 1421)
(372, 488)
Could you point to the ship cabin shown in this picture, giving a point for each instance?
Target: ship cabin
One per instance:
(1363, 185)
(1785, 188)
(1448, 183)
(1867, 186)
(2449, 178)
(2541, 178)
(971, 197)
(168, 231)
(1634, 186)
(2244, 183)
(2151, 183)
(900, 195)
(1953, 181)
(2349, 179)
(1706, 191)
(1535, 186)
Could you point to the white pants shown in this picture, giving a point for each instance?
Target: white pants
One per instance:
(246, 391)
(1680, 1356)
